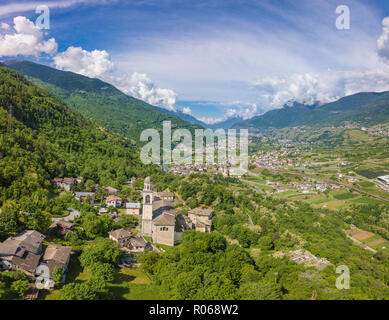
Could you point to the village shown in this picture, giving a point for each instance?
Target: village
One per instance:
(160, 225)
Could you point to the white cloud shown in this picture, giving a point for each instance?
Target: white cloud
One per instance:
(383, 41)
(211, 120)
(94, 64)
(5, 26)
(187, 110)
(140, 86)
(310, 88)
(98, 64)
(11, 8)
(242, 110)
(26, 40)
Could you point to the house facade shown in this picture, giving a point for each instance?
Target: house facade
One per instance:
(114, 201)
(83, 196)
(54, 257)
(66, 183)
(133, 208)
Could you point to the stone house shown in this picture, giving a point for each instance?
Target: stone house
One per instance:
(133, 208)
(65, 183)
(83, 196)
(128, 241)
(202, 219)
(54, 257)
(22, 252)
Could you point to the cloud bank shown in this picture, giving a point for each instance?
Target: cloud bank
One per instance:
(98, 64)
(94, 64)
(25, 39)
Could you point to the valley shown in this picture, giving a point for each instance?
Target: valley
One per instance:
(276, 233)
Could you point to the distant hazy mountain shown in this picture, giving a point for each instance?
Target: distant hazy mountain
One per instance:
(279, 118)
(361, 108)
(98, 100)
(227, 124)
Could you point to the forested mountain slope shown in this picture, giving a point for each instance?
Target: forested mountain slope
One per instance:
(98, 100)
(366, 108)
(41, 138)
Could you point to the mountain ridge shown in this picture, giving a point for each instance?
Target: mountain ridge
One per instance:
(364, 108)
(98, 100)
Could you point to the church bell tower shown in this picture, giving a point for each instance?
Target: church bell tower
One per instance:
(147, 211)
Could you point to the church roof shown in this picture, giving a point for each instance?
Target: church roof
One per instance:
(161, 206)
(165, 219)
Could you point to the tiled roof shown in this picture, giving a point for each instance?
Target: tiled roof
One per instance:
(120, 234)
(113, 198)
(165, 219)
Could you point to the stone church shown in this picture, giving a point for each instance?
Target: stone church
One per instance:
(160, 221)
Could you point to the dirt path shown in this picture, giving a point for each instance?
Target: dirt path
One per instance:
(361, 244)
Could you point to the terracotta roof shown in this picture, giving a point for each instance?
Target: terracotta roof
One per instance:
(112, 198)
(165, 219)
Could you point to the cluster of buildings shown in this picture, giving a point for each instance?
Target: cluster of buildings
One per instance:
(306, 187)
(283, 159)
(302, 256)
(378, 131)
(161, 222)
(24, 252)
(67, 183)
(209, 169)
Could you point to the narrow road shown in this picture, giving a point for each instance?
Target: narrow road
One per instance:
(361, 244)
(253, 185)
(73, 214)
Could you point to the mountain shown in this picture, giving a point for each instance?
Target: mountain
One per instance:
(184, 116)
(41, 138)
(279, 118)
(227, 124)
(366, 108)
(97, 100)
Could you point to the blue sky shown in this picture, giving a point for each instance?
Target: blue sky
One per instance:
(216, 58)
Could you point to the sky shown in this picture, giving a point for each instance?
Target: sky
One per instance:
(213, 59)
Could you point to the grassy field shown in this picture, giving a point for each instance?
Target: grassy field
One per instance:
(134, 285)
(129, 284)
(335, 200)
(370, 239)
